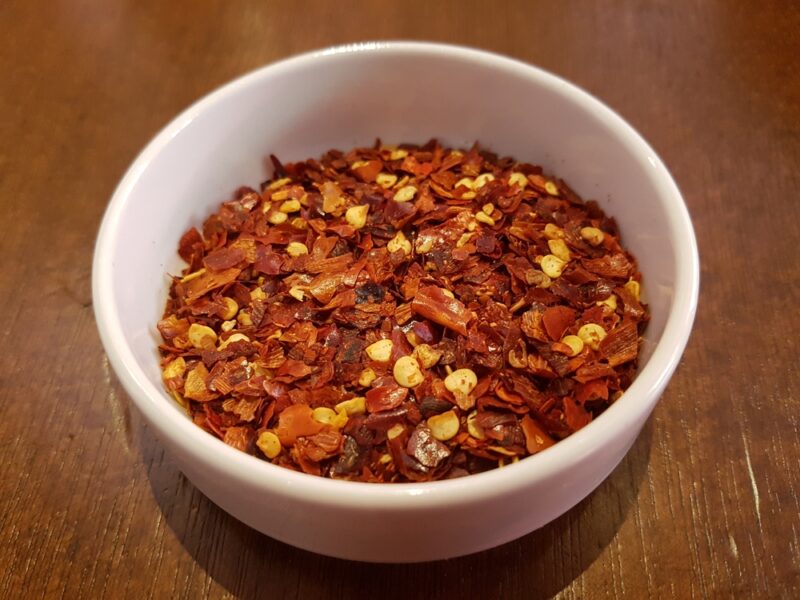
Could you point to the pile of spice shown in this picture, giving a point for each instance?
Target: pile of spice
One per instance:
(395, 314)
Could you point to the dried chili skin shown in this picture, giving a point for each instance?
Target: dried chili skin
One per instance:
(394, 314)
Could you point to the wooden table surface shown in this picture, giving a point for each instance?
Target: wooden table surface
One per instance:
(704, 505)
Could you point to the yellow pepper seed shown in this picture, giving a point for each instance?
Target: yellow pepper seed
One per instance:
(407, 373)
(405, 193)
(444, 426)
(426, 355)
(488, 208)
(398, 153)
(356, 216)
(201, 336)
(634, 288)
(366, 377)
(482, 217)
(358, 164)
(399, 242)
(575, 344)
(551, 188)
(295, 249)
(328, 416)
(323, 414)
(380, 351)
(448, 293)
(386, 180)
(610, 302)
(277, 218)
(552, 266)
(385, 459)
(290, 206)
(473, 428)
(537, 278)
(278, 196)
(518, 179)
(231, 308)
(244, 319)
(464, 239)
(461, 380)
(482, 179)
(228, 325)
(340, 420)
(467, 182)
(353, 406)
(279, 183)
(558, 248)
(258, 294)
(592, 334)
(424, 244)
(592, 235)
(297, 293)
(412, 338)
(269, 444)
(553, 231)
(395, 431)
(299, 223)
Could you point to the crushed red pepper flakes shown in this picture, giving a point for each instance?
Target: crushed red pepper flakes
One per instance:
(435, 331)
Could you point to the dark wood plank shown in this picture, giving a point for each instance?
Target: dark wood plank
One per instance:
(705, 504)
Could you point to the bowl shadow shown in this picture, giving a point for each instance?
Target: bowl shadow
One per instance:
(249, 564)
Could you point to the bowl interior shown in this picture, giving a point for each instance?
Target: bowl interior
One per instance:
(339, 99)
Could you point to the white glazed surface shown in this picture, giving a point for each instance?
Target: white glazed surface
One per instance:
(400, 92)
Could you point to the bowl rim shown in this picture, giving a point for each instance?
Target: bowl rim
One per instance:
(639, 399)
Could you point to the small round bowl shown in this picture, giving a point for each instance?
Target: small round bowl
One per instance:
(401, 92)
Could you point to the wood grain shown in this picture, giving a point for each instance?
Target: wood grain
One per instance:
(705, 504)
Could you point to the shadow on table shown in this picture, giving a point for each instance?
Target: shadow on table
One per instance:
(251, 565)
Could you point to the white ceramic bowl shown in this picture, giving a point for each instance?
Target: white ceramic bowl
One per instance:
(400, 92)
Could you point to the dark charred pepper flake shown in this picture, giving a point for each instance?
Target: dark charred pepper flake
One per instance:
(369, 292)
(394, 314)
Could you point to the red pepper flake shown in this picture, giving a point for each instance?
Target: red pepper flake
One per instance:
(429, 451)
(576, 416)
(536, 438)
(209, 281)
(296, 421)
(241, 438)
(224, 258)
(369, 170)
(269, 334)
(593, 390)
(385, 398)
(292, 370)
(267, 261)
(433, 303)
(613, 266)
(620, 345)
(557, 319)
(191, 248)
